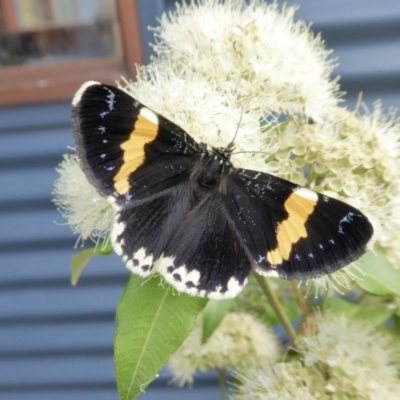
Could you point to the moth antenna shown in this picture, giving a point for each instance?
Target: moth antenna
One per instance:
(230, 145)
(249, 151)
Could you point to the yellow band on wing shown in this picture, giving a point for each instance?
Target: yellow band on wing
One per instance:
(144, 131)
(293, 228)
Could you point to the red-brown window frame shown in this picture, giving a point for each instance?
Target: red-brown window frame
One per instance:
(56, 82)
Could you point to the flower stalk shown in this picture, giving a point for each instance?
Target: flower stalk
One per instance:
(222, 383)
(276, 305)
(300, 298)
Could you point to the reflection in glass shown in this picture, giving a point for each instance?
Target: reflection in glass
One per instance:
(49, 31)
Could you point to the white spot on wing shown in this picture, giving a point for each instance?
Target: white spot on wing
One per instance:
(234, 287)
(81, 90)
(110, 99)
(163, 263)
(139, 259)
(263, 272)
(113, 201)
(348, 217)
(272, 273)
(182, 272)
(130, 266)
(117, 229)
(178, 284)
(306, 193)
(117, 246)
(261, 259)
(149, 115)
(193, 276)
(179, 277)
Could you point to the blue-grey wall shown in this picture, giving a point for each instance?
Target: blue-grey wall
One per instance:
(56, 340)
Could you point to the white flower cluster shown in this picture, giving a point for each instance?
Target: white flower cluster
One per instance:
(280, 381)
(238, 341)
(358, 360)
(88, 214)
(255, 51)
(342, 360)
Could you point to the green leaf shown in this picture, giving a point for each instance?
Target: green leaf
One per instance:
(341, 306)
(214, 313)
(104, 249)
(375, 314)
(79, 262)
(377, 276)
(391, 332)
(152, 322)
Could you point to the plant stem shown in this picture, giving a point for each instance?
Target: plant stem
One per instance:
(300, 299)
(276, 305)
(325, 301)
(222, 383)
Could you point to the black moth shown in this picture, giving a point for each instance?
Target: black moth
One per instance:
(185, 212)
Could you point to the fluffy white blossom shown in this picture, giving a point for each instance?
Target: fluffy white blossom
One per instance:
(88, 214)
(239, 340)
(341, 360)
(359, 362)
(280, 381)
(255, 50)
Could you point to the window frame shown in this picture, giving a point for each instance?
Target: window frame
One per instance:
(57, 82)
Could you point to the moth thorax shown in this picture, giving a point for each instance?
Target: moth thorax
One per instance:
(211, 171)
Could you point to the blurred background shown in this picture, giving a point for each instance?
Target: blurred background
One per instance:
(56, 341)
